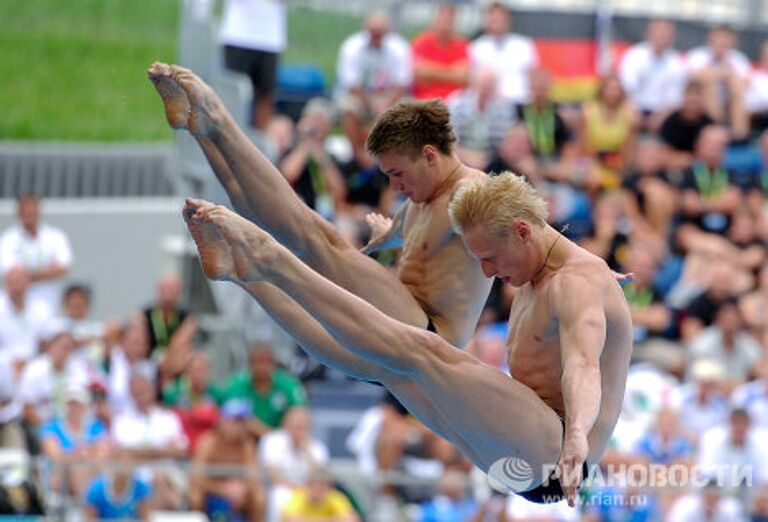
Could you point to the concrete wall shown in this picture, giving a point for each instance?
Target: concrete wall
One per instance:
(120, 246)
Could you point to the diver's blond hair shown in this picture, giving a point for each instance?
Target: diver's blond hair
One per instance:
(496, 202)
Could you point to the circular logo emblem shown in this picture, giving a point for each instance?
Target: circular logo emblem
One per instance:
(511, 473)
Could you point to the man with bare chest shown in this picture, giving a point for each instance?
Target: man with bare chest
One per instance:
(570, 336)
(439, 285)
(228, 444)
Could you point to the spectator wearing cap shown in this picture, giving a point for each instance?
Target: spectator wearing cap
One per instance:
(240, 495)
(73, 441)
(289, 456)
(44, 381)
(700, 401)
(270, 390)
(319, 501)
(193, 398)
(118, 493)
(753, 395)
(40, 249)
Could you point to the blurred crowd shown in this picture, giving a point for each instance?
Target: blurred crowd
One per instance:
(662, 173)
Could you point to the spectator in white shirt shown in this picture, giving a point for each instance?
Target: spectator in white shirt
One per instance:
(374, 71)
(43, 251)
(753, 395)
(511, 55)
(728, 343)
(21, 322)
(734, 451)
(756, 97)
(701, 402)
(45, 379)
(290, 454)
(723, 70)
(125, 350)
(149, 431)
(88, 333)
(707, 505)
(652, 73)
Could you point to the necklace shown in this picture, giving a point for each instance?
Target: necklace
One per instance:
(445, 181)
(546, 258)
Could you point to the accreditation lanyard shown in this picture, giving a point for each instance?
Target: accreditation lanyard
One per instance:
(638, 297)
(541, 128)
(161, 328)
(710, 183)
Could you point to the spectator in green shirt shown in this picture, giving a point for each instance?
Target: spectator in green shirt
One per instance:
(270, 390)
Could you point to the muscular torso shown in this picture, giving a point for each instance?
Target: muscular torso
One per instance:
(439, 271)
(534, 343)
(216, 450)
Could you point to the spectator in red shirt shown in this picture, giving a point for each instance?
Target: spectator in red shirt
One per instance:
(440, 57)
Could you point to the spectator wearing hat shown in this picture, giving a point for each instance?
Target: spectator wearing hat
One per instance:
(73, 441)
(319, 501)
(700, 401)
(239, 496)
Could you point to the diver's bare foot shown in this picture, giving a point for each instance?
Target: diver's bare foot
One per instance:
(174, 98)
(254, 252)
(206, 110)
(215, 255)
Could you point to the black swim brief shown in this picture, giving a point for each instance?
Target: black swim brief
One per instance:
(551, 490)
(431, 326)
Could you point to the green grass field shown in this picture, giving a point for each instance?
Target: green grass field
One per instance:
(74, 69)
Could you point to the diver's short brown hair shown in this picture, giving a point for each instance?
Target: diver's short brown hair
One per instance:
(408, 126)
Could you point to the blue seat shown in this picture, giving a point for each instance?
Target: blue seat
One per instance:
(297, 84)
